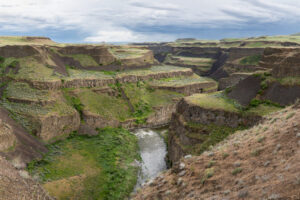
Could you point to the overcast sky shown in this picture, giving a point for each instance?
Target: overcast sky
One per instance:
(147, 20)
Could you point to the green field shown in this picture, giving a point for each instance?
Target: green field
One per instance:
(81, 167)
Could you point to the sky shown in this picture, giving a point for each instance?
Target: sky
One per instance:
(84, 21)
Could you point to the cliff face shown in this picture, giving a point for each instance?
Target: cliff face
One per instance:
(259, 163)
(56, 127)
(183, 135)
(283, 61)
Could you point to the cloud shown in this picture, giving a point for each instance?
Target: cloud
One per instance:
(122, 21)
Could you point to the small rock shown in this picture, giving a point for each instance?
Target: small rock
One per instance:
(226, 192)
(24, 174)
(274, 197)
(265, 178)
(181, 166)
(168, 192)
(187, 156)
(267, 163)
(179, 181)
(277, 148)
(299, 143)
(243, 194)
(210, 154)
(298, 135)
(237, 164)
(182, 173)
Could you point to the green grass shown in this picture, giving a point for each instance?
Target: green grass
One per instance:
(181, 81)
(251, 60)
(85, 60)
(153, 70)
(263, 109)
(141, 91)
(96, 167)
(215, 101)
(237, 171)
(107, 106)
(125, 52)
(21, 90)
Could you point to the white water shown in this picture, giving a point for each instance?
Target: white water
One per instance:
(153, 151)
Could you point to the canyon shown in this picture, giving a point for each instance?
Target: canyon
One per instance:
(60, 102)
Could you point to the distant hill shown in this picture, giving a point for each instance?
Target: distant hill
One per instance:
(296, 34)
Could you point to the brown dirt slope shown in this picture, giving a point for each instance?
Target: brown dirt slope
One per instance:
(16, 185)
(26, 147)
(259, 163)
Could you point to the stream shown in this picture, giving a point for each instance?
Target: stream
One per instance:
(153, 151)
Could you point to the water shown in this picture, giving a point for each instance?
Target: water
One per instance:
(153, 151)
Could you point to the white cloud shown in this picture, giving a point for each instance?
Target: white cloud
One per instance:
(117, 20)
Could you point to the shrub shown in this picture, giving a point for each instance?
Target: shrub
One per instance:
(237, 171)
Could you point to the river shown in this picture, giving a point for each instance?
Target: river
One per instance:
(153, 151)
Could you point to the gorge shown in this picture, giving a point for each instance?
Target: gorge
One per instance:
(80, 121)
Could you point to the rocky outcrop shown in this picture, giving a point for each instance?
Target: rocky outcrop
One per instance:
(232, 80)
(54, 127)
(17, 51)
(7, 138)
(283, 61)
(246, 90)
(181, 134)
(282, 94)
(18, 185)
(101, 54)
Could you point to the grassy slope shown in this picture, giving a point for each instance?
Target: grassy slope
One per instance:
(98, 167)
(107, 106)
(218, 101)
(181, 81)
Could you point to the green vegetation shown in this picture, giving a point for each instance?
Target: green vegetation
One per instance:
(215, 101)
(122, 52)
(215, 134)
(144, 99)
(85, 60)
(237, 171)
(181, 81)
(83, 167)
(107, 106)
(208, 173)
(251, 60)
(23, 91)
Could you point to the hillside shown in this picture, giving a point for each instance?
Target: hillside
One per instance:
(259, 163)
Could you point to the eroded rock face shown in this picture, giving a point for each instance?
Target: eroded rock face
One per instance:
(100, 54)
(55, 127)
(17, 51)
(17, 185)
(180, 132)
(282, 94)
(7, 138)
(283, 61)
